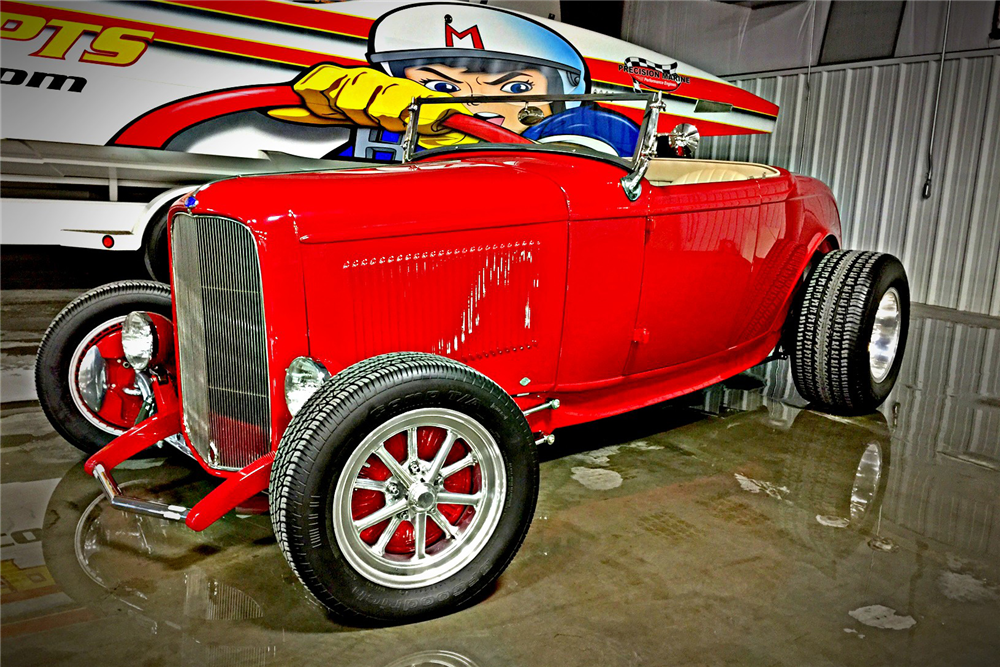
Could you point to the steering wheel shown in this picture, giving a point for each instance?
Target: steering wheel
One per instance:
(158, 127)
(481, 129)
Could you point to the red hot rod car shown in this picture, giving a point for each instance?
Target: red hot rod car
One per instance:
(382, 349)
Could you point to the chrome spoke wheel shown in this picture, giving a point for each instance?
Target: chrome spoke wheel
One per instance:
(419, 498)
(885, 335)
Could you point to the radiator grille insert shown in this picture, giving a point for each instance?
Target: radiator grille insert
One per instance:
(222, 340)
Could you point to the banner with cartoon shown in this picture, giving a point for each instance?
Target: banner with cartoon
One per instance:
(235, 78)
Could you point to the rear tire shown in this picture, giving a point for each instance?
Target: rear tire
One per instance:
(837, 363)
(327, 478)
(90, 316)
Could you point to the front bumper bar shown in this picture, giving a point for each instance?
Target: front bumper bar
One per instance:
(136, 505)
(237, 487)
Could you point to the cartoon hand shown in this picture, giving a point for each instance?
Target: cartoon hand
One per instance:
(361, 96)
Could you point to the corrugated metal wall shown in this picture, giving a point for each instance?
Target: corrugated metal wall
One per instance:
(946, 438)
(864, 129)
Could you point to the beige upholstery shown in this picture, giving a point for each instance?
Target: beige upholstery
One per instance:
(667, 171)
(712, 175)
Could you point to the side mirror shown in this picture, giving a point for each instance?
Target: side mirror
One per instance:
(684, 140)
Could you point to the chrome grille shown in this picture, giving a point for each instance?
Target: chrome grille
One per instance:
(222, 340)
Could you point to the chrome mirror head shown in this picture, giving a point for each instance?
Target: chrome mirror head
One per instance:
(530, 116)
(684, 140)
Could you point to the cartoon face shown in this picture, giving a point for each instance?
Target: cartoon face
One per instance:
(460, 81)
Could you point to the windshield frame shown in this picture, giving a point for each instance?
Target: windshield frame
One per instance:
(626, 162)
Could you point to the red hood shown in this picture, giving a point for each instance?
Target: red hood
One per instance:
(389, 201)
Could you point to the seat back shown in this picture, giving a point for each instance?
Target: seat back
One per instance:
(710, 175)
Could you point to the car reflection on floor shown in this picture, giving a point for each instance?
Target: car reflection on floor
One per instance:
(732, 525)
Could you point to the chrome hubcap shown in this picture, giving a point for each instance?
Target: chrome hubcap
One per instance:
(419, 498)
(422, 497)
(93, 379)
(866, 482)
(88, 382)
(885, 335)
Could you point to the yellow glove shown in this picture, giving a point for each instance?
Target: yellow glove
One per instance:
(361, 96)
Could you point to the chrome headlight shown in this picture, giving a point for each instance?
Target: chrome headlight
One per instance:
(138, 339)
(303, 377)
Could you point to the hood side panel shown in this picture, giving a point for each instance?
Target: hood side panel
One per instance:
(490, 298)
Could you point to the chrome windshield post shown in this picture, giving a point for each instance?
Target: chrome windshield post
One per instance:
(632, 182)
(410, 136)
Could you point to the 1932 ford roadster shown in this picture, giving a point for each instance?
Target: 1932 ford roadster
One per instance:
(382, 349)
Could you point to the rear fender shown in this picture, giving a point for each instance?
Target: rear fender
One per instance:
(829, 244)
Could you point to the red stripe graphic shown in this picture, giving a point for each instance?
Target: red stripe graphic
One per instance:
(700, 89)
(668, 121)
(156, 128)
(285, 14)
(191, 38)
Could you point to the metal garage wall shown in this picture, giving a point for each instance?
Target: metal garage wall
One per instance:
(864, 129)
(946, 432)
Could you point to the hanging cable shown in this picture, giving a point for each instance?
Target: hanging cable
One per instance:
(937, 100)
(809, 67)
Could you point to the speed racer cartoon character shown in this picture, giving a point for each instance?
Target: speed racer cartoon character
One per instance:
(437, 50)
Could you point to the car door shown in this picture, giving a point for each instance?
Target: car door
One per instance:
(698, 256)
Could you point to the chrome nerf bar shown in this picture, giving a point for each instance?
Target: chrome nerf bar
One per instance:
(135, 505)
(548, 405)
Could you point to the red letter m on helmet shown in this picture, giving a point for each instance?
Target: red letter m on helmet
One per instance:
(450, 35)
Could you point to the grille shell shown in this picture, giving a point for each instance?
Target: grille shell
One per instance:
(221, 340)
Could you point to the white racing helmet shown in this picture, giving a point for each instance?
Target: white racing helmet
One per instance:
(467, 34)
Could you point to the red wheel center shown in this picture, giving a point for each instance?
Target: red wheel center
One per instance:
(365, 501)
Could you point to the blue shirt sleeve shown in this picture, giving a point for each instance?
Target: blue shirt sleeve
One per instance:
(587, 121)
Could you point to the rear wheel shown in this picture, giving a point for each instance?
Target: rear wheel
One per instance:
(84, 383)
(403, 488)
(851, 331)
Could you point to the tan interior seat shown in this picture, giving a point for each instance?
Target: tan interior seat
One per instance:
(672, 171)
(710, 175)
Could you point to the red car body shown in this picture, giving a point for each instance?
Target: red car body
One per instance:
(532, 267)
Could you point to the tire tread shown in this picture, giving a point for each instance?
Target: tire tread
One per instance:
(830, 334)
(302, 441)
(50, 347)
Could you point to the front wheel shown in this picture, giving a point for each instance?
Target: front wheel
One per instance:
(84, 383)
(851, 331)
(403, 488)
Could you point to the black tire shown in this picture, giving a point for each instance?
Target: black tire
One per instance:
(64, 335)
(155, 248)
(325, 433)
(830, 358)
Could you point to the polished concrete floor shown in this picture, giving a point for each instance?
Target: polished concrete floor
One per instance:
(733, 526)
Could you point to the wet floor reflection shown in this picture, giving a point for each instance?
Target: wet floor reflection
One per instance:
(731, 526)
